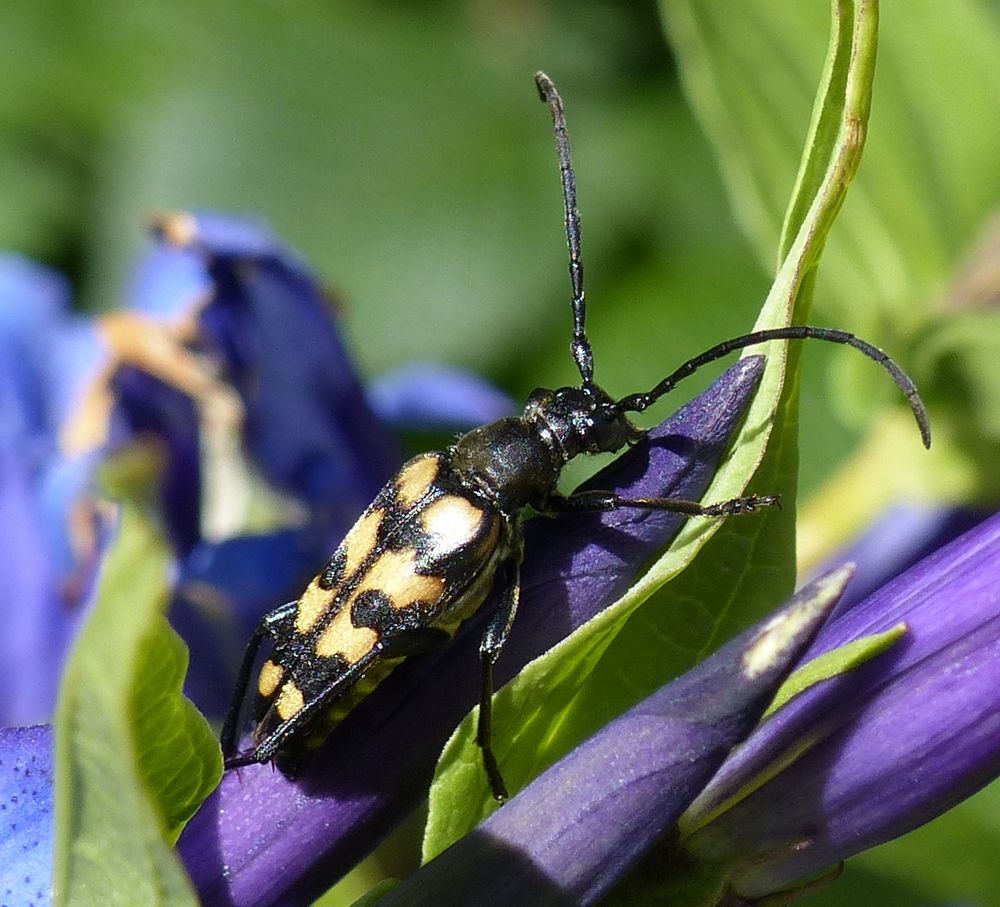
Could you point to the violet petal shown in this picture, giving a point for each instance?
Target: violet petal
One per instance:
(428, 396)
(895, 742)
(26, 831)
(34, 302)
(582, 824)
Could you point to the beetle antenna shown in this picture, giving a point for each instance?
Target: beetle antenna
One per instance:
(582, 353)
(636, 403)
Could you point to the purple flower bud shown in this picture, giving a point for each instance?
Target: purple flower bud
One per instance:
(872, 753)
(581, 825)
(425, 395)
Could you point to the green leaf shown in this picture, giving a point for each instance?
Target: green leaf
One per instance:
(837, 661)
(929, 184)
(134, 758)
(745, 566)
(376, 893)
(930, 176)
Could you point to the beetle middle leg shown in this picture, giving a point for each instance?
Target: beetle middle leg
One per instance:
(609, 500)
(494, 638)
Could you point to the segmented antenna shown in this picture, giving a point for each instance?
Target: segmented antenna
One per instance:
(635, 403)
(582, 353)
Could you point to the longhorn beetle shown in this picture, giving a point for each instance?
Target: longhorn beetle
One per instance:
(447, 529)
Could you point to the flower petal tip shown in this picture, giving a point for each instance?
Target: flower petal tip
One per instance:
(783, 637)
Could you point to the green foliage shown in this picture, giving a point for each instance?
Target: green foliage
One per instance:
(927, 189)
(134, 758)
(928, 186)
(744, 570)
(929, 178)
(836, 661)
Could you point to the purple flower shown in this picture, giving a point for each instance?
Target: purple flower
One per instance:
(865, 756)
(897, 539)
(358, 785)
(25, 815)
(52, 526)
(572, 833)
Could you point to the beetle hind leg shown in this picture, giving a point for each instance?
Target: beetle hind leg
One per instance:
(271, 625)
(494, 638)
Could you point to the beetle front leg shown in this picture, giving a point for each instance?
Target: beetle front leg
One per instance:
(494, 637)
(608, 500)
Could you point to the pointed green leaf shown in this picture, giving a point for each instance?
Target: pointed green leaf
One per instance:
(837, 661)
(929, 187)
(134, 758)
(930, 177)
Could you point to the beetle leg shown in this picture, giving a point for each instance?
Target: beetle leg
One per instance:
(608, 500)
(269, 626)
(267, 749)
(494, 637)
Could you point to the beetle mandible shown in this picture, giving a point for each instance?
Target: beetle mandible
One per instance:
(446, 529)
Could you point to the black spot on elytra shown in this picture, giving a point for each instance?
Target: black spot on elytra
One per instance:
(373, 609)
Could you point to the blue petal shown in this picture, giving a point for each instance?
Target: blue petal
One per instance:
(76, 357)
(26, 816)
(168, 282)
(308, 423)
(429, 396)
(220, 234)
(899, 538)
(28, 610)
(33, 301)
(44, 577)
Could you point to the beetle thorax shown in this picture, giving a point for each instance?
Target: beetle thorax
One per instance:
(516, 463)
(508, 463)
(578, 420)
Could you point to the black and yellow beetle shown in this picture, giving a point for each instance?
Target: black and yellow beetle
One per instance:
(447, 528)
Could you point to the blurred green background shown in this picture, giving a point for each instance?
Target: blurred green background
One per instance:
(402, 149)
